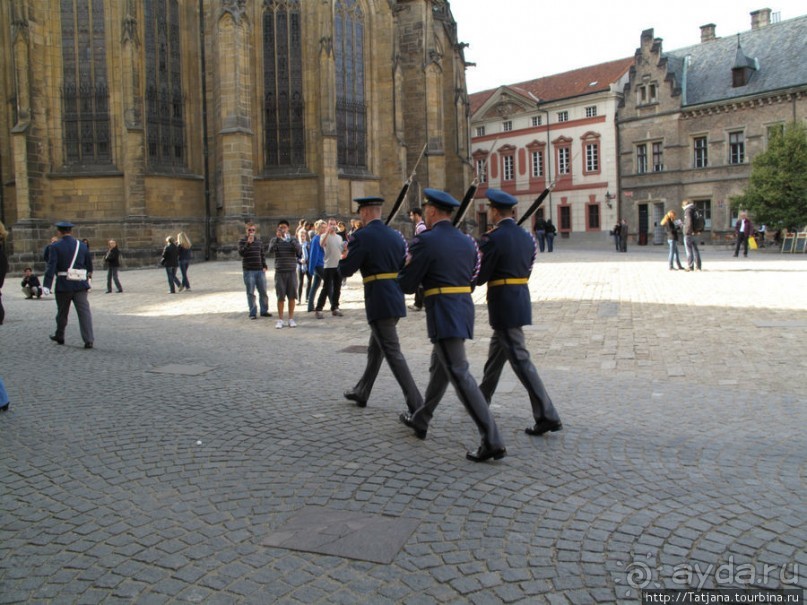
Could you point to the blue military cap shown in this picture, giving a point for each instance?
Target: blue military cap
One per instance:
(440, 198)
(371, 200)
(501, 198)
(65, 225)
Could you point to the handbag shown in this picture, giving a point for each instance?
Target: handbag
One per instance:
(76, 274)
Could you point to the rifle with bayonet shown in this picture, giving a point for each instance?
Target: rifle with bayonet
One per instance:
(396, 207)
(536, 204)
(468, 199)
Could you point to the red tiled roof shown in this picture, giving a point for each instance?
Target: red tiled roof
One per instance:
(562, 86)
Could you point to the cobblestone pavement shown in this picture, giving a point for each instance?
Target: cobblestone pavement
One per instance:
(153, 468)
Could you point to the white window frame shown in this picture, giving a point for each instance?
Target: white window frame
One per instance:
(537, 164)
(508, 167)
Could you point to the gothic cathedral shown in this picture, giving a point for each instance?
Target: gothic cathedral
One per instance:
(136, 119)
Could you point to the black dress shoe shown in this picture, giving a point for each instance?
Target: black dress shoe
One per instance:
(406, 418)
(486, 452)
(267, 314)
(352, 396)
(544, 426)
(88, 345)
(57, 340)
(4, 408)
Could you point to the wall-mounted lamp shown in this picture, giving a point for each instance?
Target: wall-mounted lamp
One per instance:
(608, 197)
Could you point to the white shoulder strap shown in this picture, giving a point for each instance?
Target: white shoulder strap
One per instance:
(75, 254)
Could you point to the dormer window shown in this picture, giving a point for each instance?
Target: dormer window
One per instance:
(743, 68)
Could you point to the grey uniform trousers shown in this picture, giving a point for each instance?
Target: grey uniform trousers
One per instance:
(508, 345)
(384, 344)
(449, 364)
(82, 304)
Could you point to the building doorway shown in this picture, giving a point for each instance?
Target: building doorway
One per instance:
(643, 224)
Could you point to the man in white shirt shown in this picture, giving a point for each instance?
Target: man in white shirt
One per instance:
(334, 247)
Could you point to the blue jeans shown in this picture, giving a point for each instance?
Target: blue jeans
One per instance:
(252, 280)
(550, 240)
(183, 267)
(541, 235)
(693, 254)
(673, 256)
(171, 273)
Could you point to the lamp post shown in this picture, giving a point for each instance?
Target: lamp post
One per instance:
(548, 150)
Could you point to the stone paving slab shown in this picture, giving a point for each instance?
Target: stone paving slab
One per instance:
(374, 538)
(683, 449)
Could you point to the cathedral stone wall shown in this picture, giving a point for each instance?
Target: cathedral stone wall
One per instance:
(413, 91)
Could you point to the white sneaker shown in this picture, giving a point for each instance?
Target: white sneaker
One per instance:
(279, 324)
(292, 323)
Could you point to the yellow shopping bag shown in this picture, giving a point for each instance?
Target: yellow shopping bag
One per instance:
(752, 243)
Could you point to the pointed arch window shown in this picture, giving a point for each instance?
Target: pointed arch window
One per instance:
(283, 84)
(351, 108)
(85, 91)
(165, 122)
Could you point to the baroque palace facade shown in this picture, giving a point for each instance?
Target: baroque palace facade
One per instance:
(136, 119)
(630, 138)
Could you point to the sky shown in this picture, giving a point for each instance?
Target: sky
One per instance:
(529, 39)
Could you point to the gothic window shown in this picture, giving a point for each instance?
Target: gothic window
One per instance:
(283, 84)
(351, 110)
(165, 124)
(85, 92)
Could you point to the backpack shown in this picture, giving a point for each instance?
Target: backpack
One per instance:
(698, 222)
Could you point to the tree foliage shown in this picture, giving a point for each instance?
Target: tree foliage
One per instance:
(777, 189)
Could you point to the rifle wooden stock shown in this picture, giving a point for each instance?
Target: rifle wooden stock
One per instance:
(396, 207)
(536, 204)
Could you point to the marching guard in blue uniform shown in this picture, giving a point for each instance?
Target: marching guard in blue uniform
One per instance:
(508, 253)
(446, 261)
(379, 252)
(69, 253)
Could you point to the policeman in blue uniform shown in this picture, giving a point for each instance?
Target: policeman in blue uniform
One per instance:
(446, 261)
(508, 253)
(379, 252)
(67, 253)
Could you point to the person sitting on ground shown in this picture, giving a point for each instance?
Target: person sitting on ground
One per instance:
(30, 284)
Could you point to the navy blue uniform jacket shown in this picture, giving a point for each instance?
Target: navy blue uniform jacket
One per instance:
(507, 252)
(59, 258)
(377, 249)
(443, 256)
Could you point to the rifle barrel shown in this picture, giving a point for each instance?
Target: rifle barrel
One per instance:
(536, 204)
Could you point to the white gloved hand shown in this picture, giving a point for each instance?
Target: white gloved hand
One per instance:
(46, 291)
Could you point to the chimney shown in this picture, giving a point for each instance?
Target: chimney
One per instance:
(707, 32)
(760, 18)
